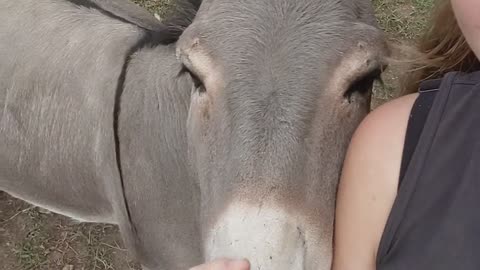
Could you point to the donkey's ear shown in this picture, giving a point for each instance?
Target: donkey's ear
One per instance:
(159, 189)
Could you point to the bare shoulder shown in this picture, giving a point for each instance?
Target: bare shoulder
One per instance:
(388, 119)
(368, 184)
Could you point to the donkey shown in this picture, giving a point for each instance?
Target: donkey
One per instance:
(217, 133)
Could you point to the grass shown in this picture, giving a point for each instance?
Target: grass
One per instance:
(100, 252)
(32, 252)
(35, 239)
(159, 7)
(403, 19)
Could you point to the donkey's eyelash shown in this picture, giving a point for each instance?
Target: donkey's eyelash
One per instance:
(183, 70)
(196, 80)
(364, 84)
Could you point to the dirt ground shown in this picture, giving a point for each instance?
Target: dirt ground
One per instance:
(31, 238)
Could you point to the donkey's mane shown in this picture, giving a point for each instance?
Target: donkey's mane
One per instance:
(167, 32)
(181, 15)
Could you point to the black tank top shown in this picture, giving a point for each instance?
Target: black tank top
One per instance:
(435, 220)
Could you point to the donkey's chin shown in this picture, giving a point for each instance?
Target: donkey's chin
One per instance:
(269, 237)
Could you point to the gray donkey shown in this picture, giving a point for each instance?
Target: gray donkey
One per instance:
(219, 132)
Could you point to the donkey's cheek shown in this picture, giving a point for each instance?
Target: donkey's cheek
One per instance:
(199, 117)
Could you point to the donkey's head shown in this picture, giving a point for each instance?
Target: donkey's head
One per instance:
(278, 86)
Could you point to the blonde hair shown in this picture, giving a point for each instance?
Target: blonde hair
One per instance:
(441, 49)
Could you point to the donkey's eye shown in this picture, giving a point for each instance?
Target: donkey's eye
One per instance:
(363, 85)
(197, 83)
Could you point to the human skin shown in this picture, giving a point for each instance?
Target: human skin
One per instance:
(365, 196)
(224, 264)
(467, 14)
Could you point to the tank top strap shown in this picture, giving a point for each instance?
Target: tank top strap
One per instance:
(430, 85)
(442, 87)
(416, 122)
(433, 223)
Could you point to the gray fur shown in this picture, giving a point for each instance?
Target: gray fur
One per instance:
(273, 132)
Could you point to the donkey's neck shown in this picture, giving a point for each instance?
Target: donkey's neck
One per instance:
(158, 185)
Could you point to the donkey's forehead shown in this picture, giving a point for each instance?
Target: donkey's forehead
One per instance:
(312, 10)
(278, 44)
(277, 26)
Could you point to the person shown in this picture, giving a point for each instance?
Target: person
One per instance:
(410, 185)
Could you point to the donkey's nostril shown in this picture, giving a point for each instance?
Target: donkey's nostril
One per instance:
(269, 237)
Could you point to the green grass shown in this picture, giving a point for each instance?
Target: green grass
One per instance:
(32, 251)
(159, 7)
(403, 19)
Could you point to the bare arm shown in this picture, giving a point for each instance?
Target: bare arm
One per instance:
(368, 185)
